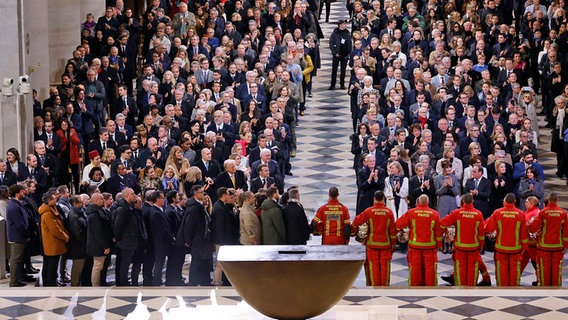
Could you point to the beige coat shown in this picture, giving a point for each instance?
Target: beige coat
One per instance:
(250, 226)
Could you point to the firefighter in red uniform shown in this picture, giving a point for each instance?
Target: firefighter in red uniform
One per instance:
(332, 221)
(468, 240)
(510, 241)
(551, 242)
(425, 237)
(380, 242)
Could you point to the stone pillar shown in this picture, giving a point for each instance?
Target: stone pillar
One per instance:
(16, 121)
(64, 23)
(36, 40)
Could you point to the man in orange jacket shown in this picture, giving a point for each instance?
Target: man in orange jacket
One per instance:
(425, 237)
(380, 242)
(468, 241)
(510, 241)
(551, 243)
(332, 220)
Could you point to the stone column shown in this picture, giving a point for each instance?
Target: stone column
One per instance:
(36, 40)
(64, 23)
(16, 121)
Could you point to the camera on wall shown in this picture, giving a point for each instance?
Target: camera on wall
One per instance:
(7, 89)
(24, 82)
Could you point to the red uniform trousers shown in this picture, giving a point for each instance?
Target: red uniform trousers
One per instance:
(528, 255)
(423, 265)
(377, 267)
(549, 267)
(508, 268)
(466, 266)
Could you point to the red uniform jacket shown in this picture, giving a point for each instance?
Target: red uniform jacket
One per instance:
(424, 224)
(331, 219)
(529, 214)
(382, 232)
(470, 233)
(551, 221)
(509, 222)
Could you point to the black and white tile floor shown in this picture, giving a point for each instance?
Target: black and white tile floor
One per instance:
(323, 160)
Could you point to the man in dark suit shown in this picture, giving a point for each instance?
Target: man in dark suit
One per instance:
(162, 234)
(129, 231)
(102, 142)
(420, 184)
(126, 105)
(254, 154)
(122, 127)
(480, 188)
(186, 105)
(297, 227)
(37, 173)
(194, 48)
(216, 152)
(7, 178)
(225, 133)
(121, 180)
(155, 151)
(125, 158)
(225, 228)
(209, 169)
(52, 140)
(231, 177)
(114, 135)
(48, 162)
(369, 180)
(195, 234)
(265, 158)
(263, 180)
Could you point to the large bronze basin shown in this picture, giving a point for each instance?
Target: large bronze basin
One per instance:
(292, 282)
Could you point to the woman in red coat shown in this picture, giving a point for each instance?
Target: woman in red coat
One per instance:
(69, 156)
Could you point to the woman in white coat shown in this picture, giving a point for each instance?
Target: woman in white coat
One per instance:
(396, 189)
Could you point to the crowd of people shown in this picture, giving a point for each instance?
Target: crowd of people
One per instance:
(161, 123)
(186, 94)
(444, 98)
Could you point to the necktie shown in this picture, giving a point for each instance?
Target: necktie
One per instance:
(421, 181)
(205, 76)
(104, 146)
(112, 137)
(233, 181)
(263, 181)
(49, 136)
(195, 52)
(1, 177)
(476, 183)
(125, 102)
(42, 160)
(207, 166)
(123, 49)
(442, 80)
(32, 172)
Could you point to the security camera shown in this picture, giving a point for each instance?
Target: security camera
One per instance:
(7, 89)
(25, 86)
(23, 79)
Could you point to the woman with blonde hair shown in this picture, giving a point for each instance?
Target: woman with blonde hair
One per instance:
(195, 177)
(396, 189)
(178, 162)
(167, 86)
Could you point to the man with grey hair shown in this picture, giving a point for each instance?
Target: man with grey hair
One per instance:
(48, 162)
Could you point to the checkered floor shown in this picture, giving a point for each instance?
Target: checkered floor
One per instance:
(323, 160)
